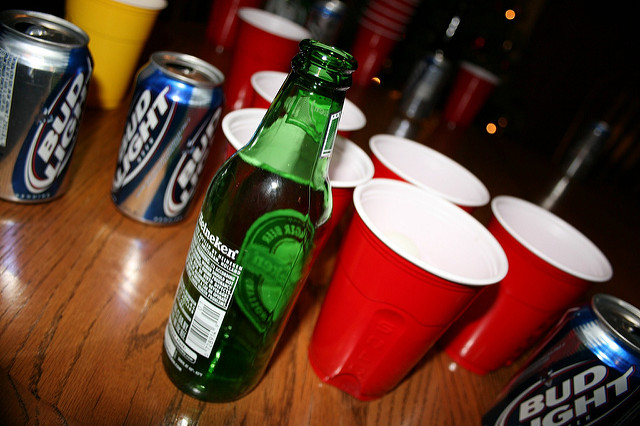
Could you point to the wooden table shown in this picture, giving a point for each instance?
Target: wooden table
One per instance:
(85, 293)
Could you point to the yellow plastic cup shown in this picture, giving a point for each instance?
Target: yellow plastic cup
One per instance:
(118, 31)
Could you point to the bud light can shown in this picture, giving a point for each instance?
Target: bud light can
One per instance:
(586, 372)
(172, 118)
(45, 68)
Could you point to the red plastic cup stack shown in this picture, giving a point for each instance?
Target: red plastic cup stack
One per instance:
(382, 25)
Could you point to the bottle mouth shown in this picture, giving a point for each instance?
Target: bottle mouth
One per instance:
(329, 57)
(329, 64)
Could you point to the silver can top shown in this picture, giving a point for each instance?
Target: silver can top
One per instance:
(42, 28)
(188, 69)
(622, 318)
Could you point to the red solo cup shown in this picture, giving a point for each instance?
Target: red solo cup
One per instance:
(409, 264)
(551, 266)
(265, 42)
(395, 157)
(223, 21)
(266, 85)
(371, 47)
(472, 87)
(239, 126)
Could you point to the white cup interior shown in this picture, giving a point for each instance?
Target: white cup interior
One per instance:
(551, 238)
(239, 126)
(430, 170)
(350, 166)
(268, 83)
(430, 232)
(352, 117)
(273, 24)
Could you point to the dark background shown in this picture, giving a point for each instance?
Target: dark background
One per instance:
(571, 62)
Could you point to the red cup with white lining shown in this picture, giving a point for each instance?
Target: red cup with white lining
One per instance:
(409, 264)
(472, 87)
(395, 157)
(551, 266)
(265, 41)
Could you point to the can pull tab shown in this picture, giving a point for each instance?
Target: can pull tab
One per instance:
(36, 31)
(42, 32)
(187, 71)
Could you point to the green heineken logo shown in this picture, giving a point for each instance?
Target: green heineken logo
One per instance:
(273, 256)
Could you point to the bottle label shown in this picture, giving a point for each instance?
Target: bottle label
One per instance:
(273, 256)
(261, 277)
(197, 315)
(330, 135)
(211, 266)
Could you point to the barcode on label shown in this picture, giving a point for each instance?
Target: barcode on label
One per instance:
(204, 328)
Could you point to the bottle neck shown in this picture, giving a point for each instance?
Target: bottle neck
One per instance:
(295, 138)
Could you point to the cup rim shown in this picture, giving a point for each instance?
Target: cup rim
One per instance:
(483, 195)
(367, 170)
(273, 24)
(480, 72)
(447, 210)
(588, 248)
(233, 116)
(357, 119)
(270, 75)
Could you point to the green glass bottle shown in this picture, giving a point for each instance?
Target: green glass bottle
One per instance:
(256, 234)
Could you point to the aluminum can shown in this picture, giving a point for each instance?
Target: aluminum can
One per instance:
(325, 20)
(169, 131)
(425, 86)
(45, 69)
(586, 371)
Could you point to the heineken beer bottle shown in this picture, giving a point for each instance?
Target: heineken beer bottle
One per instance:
(256, 234)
